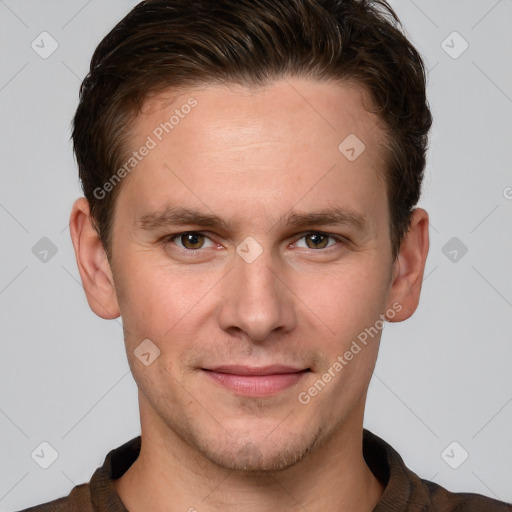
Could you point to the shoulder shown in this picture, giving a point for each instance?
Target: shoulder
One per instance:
(79, 500)
(444, 500)
(99, 493)
(405, 491)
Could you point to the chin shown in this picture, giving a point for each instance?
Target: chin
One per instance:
(262, 455)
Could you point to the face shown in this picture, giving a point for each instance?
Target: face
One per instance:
(253, 252)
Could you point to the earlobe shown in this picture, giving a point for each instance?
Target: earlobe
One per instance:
(409, 267)
(92, 262)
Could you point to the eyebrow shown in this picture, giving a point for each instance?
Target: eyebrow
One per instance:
(172, 216)
(329, 217)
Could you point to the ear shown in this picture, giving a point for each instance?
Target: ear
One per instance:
(92, 262)
(409, 267)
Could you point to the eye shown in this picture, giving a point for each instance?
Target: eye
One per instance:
(317, 240)
(191, 240)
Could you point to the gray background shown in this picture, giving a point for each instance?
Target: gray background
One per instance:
(442, 376)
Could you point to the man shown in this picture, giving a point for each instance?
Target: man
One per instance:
(250, 171)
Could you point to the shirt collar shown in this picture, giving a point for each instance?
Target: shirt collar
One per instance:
(401, 486)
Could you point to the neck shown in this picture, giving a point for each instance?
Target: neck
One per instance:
(332, 477)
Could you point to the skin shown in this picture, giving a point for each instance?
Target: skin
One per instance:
(252, 157)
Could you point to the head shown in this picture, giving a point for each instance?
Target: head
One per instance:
(290, 138)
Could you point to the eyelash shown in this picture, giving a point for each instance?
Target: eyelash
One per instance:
(338, 238)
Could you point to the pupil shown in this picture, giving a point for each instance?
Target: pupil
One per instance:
(191, 239)
(317, 240)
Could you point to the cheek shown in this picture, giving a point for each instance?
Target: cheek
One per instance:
(346, 299)
(154, 297)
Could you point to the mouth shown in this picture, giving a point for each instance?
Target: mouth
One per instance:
(256, 381)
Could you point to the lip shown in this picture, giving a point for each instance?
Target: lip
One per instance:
(255, 370)
(256, 381)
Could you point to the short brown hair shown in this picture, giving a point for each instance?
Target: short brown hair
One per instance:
(163, 44)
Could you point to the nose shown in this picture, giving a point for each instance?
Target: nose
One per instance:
(257, 300)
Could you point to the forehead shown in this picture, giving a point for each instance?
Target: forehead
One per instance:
(336, 105)
(267, 147)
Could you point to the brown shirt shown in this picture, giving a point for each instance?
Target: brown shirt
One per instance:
(404, 490)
